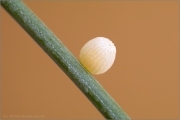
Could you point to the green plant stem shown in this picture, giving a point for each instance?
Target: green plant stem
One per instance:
(64, 59)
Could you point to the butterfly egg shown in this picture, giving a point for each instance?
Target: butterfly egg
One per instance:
(98, 55)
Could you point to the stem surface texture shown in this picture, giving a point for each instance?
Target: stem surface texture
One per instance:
(64, 59)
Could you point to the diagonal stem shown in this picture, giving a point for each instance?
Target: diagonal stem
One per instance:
(64, 59)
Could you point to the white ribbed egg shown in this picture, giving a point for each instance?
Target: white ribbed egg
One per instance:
(98, 55)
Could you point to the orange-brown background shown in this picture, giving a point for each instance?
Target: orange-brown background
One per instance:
(143, 79)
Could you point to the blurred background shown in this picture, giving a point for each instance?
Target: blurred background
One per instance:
(143, 80)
